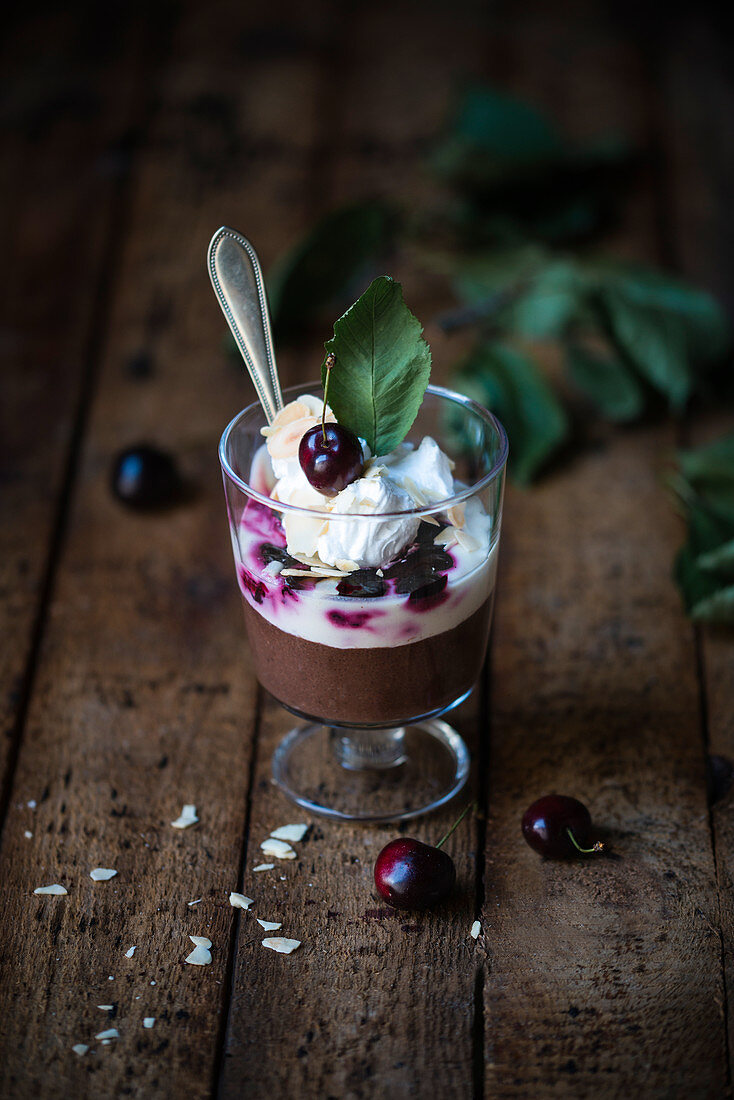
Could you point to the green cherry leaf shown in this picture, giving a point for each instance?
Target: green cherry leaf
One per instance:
(510, 384)
(382, 366)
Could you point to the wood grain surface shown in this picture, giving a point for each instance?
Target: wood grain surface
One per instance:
(128, 691)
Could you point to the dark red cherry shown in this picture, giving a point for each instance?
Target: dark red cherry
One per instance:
(558, 827)
(145, 477)
(330, 457)
(413, 875)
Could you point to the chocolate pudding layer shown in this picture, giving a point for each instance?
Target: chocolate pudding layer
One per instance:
(377, 685)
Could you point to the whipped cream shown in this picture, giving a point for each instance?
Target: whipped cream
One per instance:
(409, 477)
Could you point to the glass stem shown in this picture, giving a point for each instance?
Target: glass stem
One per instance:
(368, 750)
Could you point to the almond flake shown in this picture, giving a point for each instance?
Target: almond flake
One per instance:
(297, 573)
(326, 571)
(476, 928)
(431, 519)
(102, 874)
(269, 925)
(290, 832)
(445, 535)
(194, 902)
(200, 941)
(106, 1008)
(239, 901)
(277, 848)
(31, 804)
(379, 573)
(418, 495)
(466, 540)
(28, 835)
(186, 817)
(200, 956)
(281, 944)
(347, 565)
(111, 1033)
(55, 889)
(80, 1049)
(264, 867)
(130, 952)
(456, 515)
(148, 1021)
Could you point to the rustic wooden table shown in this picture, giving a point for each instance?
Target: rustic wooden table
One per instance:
(127, 689)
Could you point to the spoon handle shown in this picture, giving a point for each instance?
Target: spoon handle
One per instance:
(235, 273)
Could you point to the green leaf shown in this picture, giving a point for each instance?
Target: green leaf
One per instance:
(505, 127)
(717, 608)
(709, 471)
(653, 339)
(607, 381)
(510, 385)
(665, 327)
(720, 560)
(324, 266)
(707, 332)
(382, 366)
(544, 295)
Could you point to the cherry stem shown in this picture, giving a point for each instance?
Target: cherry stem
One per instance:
(330, 360)
(598, 847)
(471, 806)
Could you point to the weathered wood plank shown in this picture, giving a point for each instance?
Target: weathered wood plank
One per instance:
(144, 697)
(604, 976)
(698, 98)
(64, 170)
(399, 1006)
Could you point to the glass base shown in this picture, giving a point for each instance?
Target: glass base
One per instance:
(372, 775)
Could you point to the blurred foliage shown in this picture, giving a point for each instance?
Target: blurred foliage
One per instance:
(516, 235)
(515, 177)
(704, 568)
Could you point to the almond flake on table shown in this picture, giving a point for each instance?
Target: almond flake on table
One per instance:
(278, 848)
(194, 902)
(111, 1033)
(269, 925)
(264, 867)
(281, 944)
(54, 889)
(130, 952)
(80, 1048)
(108, 1008)
(29, 836)
(201, 955)
(239, 901)
(290, 832)
(148, 1021)
(186, 817)
(102, 874)
(476, 928)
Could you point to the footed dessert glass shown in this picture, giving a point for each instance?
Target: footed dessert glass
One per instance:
(370, 658)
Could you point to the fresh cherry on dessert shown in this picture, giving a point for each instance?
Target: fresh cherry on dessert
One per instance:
(558, 827)
(329, 454)
(145, 477)
(412, 875)
(330, 457)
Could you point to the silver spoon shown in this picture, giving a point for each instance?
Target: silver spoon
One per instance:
(234, 270)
